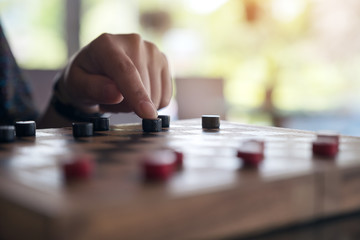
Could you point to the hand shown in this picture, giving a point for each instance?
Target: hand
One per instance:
(118, 73)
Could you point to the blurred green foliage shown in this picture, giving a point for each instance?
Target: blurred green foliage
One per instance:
(35, 30)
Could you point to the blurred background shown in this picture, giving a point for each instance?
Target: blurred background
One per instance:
(270, 62)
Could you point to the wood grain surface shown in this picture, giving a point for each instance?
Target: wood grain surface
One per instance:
(213, 196)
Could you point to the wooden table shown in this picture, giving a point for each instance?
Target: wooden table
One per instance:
(213, 196)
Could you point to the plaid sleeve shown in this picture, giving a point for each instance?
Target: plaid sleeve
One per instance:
(15, 96)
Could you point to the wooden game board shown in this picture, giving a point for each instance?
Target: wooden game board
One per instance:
(214, 196)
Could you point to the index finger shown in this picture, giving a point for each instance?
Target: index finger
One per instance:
(118, 66)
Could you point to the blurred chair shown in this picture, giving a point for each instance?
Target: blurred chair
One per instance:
(198, 96)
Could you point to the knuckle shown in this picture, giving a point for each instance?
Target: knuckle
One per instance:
(150, 46)
(156, 55)
(126, 66)
(152, 50)
(135, 38)
(139, 93)
(104, 38)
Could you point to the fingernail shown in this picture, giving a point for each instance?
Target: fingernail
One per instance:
(147, 110)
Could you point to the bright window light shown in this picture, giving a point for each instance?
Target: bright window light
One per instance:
(204, 6)
(285, 10)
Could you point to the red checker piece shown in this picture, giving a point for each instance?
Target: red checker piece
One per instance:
(325, 147)
(328, 135)
(179, 162)
(159, 165)
(251, 152)
(79, 167)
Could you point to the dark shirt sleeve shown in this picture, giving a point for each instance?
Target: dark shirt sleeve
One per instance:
(15, 97)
